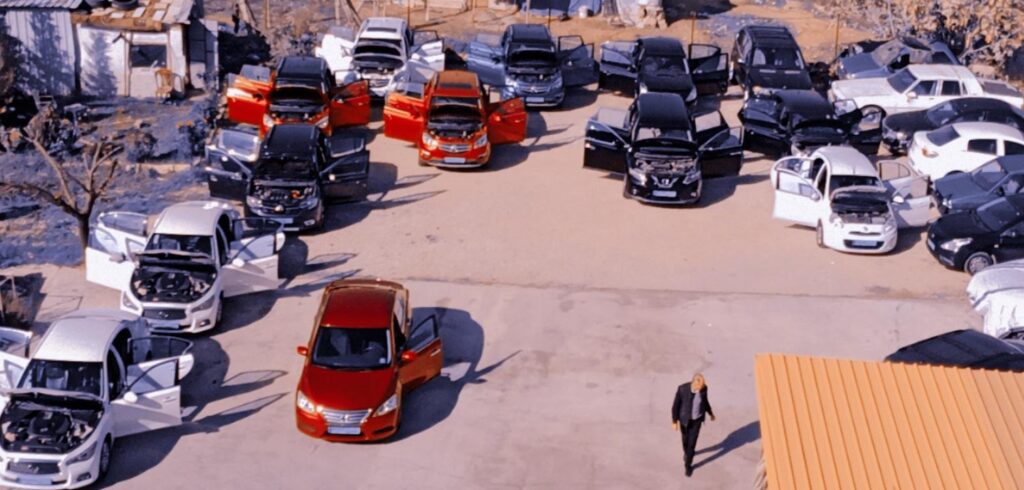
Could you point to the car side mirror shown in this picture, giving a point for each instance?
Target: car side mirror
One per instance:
(130, 397)
(237, 262)
(815, 196)
(302, 350)
(338, 98)
(408, 356)
(898, 199)
(117, 257)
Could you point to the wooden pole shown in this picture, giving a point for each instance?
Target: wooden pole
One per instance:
(426, 11)
(693, 27)
(408, 12)
(266, 17)
(549, 16)
(836, 47)
(337, 12)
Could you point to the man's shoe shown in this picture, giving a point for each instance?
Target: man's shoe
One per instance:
(689, 471)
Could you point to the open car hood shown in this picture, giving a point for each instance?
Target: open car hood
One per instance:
(861, 190)
(174, 255)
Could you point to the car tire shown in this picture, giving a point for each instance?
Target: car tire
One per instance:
(977, 262)
(819, 235)
(106, 451)
(420, 162)
(220, 311)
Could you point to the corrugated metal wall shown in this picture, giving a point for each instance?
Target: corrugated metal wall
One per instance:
(46, 51)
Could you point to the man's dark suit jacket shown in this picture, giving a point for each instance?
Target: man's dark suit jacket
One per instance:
(682, 407)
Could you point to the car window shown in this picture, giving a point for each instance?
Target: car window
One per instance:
(925, 87)
(822, 180)
(115, 378)
(1012, 185)
(943, 135)
(950, 87)
(75, 377)
(985, 146)
(1013, 148)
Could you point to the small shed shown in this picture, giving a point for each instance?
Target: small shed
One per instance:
(134, 52)
(43, 41)
(833, 423)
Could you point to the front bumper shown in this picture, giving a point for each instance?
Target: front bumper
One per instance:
(293, 219)
(676, 194)
(953, 260)
(471, 158)
(371, 429)
(850, 240)
(551, 97)
(67, 475)
(174, 317)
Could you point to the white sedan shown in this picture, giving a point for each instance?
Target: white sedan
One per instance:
(841, 194)
(997, 293)
(962, 147)
(177, 274)
(96, 376)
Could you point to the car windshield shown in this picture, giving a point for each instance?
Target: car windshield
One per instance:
(352, 348)
(943, 135)
(285, 169)
(240, 142)
(901, 80)
(296, 95)
(988, 174)
(998, 214)
(941, 114)
(532, 58)
(664, 65)
(183, 243)
(75, 377)
(781, 58)
(841, 181)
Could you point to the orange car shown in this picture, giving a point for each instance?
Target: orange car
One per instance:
(453, 122)
(301, 90)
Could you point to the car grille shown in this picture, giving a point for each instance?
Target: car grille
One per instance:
(871, 234)
(534, 89)
(664, 182)
(454, 148)
(345, 418)
(873, 246)
(33, 467)
(378, 82)
(164, 313)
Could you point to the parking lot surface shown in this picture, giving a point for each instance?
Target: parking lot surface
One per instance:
(569, 316)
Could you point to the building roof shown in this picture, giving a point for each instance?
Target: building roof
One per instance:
(82, 336)
(831, 423)
(150, 15)
(40, 4)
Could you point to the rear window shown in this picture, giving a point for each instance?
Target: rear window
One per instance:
(942, 136)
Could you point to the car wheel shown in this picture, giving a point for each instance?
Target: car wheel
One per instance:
(976, 262)
(421, 162)
(220, 311)
(819, 235)
(105, 452)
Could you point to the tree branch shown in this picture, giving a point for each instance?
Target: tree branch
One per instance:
(62, 176)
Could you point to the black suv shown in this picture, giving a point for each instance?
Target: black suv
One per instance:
(663, 153)
(964, 348)
(531, 64)
(975, 239)
(766, 59)
(290, 175)
(663, 64)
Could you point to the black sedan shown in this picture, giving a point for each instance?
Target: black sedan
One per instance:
(964, 348)
(898, 129)
(957, 192)
(975, 239)
(798, 121)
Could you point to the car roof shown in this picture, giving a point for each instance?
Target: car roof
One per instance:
(291, 139)
(82, 336)
(976, 129)
(357, 306)
(531, 33)
(197, 218)
(846, 160)
(383, 24)
(806, 102)
(659, 109)
(769, 36)
(964, 348)
(974, 104)
(457, 83)
(663, 46)
(944, 72)
(305, 68)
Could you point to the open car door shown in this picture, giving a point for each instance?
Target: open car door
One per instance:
(152, 398)
(247, 95)
(709, 67)
(405, 116)
(348, 168)
(606, 141)
(229, 160)
(864, 129)
(253, 263)
(721, 147)
(428, 50)
(794, 198)
(761, 130)
(911, 201)
(616, 70)
(487, 61)
(350, 105)
(423, 357)
(337, 48)
(14, 345)
(112, 241)
(506, 121)
(577, 61)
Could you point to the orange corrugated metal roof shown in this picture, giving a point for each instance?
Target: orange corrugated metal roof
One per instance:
(832, 423)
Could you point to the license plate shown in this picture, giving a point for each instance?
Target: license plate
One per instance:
(168, 325)
(864, 243)
(535, 100)
(454, 160)
(663, 193)
(284, 221)
(344, 431)
(35, 480)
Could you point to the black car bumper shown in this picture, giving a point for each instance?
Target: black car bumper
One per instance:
(552, 97)
(676, 194)
(293, 219)
(953, 260)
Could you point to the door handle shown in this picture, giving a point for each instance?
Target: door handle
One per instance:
(436, 352)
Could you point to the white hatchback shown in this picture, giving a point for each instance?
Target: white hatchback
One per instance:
(962, 147)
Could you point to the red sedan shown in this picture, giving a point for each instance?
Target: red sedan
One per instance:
(361, 360)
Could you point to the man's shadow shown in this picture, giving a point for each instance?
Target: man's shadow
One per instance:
(738, 438)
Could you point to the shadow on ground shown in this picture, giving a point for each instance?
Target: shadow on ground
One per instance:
(735, 440)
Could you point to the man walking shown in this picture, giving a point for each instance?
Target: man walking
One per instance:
(688, 410)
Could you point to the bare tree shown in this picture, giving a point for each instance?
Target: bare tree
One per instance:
(73, 185)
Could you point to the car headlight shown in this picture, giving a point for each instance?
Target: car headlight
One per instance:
(304, 404)
(206, 305)
(890, 226)
(946, 203)
(691, 176)
(388, 406)
(901, 135)
(639, 178)
(268, 121)
(309, 202)
(643, 89)
(511, 82)
(429, 141)
(481, 141)
(556, 79)
(253, 201)
(84, 455)
(692, 96)
(126, 301)
(955, 244)
(322, 123)
(835, 219)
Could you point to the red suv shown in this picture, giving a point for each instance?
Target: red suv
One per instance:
(361, 360)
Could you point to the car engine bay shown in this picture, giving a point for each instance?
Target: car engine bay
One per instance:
(159, 283)
(868, 206)
(30, 426)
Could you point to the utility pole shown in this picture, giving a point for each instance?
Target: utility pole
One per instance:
(693, 27)
(835, 50)
(408, 12)
(266, 17)
(337, 12)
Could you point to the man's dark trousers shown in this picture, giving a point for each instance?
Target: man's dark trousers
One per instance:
(690, 433)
